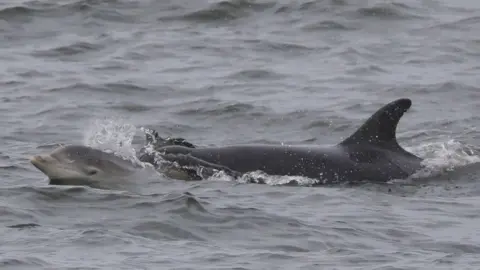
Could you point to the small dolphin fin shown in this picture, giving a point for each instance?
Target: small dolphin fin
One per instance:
(380, 128)
(151, 136)
(179, 141)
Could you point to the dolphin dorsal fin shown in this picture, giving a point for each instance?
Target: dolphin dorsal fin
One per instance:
(380, 128)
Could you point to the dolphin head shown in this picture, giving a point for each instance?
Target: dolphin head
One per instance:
(81, 165)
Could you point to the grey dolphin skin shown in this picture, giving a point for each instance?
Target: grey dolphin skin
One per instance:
(82, 165)
(371, 153)
(87, 166)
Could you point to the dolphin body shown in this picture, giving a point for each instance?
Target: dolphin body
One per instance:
(371, 153)
(87, 166)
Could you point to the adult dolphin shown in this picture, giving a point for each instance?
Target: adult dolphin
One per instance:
(372, 153)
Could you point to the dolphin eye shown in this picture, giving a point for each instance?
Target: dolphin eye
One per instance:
(92, 172)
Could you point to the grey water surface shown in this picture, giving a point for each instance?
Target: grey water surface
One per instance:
(229, 72)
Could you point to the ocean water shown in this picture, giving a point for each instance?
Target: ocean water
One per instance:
(228, 72)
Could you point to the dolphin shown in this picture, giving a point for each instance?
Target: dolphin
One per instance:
(82, 165)
(87, 166)
(372, 153)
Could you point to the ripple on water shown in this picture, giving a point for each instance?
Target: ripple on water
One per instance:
(238, 70)
(325, 25)
(256, 74)
(221, 109)
(29, 261)
(124, 88)
(74, 49)
(225, 11)
(389, 11)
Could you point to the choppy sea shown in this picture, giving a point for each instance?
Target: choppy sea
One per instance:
(95, 72)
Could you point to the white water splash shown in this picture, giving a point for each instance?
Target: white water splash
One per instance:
(112, 135)
(261, 177)
(440, 157)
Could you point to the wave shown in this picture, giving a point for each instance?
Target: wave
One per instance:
(227, 11)
(224, 109)
(76, 48)
(255, 74)
(391, 11)
(324, 25)
(117, 87)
